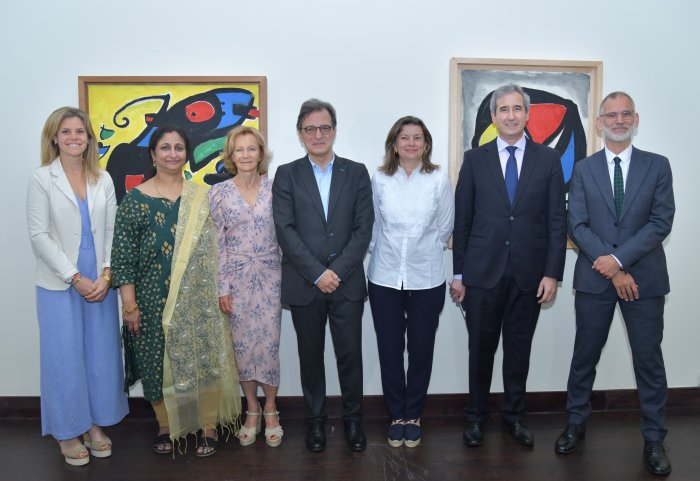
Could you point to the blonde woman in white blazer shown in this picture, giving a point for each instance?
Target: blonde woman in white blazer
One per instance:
(70, 214)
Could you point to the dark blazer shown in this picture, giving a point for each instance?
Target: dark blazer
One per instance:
(310, 244)
(488, 228)
(645, 221)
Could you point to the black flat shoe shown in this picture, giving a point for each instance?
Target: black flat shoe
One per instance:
(355, 436)
(473, 435)
(569, 439)
(316, 437)
(519, 432)
(655, 458)
(162, 444)
(206, 446)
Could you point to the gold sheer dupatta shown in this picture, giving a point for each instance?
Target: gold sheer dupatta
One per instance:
(200, 377)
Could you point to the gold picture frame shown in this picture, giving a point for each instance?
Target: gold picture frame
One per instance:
(126, 110)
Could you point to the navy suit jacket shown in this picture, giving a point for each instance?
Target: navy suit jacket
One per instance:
(488, 229)
(310, 243)
(636, 239)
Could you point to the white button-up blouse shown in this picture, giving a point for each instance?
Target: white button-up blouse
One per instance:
(413, 220)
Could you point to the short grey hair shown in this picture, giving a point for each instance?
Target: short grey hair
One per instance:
(614, 95)
(509, 89)
(315, 105)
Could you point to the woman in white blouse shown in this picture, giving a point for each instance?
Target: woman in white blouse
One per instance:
(414, 216)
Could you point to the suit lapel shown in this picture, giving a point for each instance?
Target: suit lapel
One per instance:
(61, 181)
(91, 194)
(493, 162)
(529, 161)
(308, 180)
(337, 179)
(601, 176)
(639, 166)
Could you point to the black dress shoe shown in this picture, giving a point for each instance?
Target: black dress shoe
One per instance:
(655, 458)
(316, 437)
(569, 439)
(473, 436)
(355, 436)
(520, 432)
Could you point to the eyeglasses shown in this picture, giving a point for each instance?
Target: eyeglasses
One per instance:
(311, 129)
(612, 116)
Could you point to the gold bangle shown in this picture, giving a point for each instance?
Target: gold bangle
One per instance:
(129, 310)
(107, 279)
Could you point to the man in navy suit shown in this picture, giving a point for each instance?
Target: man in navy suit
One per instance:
(509, 251)
(621, 209)
(322, 206)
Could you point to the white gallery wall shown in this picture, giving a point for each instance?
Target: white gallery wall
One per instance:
(375, 61)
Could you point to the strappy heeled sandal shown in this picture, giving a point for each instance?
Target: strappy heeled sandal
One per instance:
(246, 436)
(76, 456)
(273, 436)
(99, 449)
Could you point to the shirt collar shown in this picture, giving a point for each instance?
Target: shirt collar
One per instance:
(317, 168)
(624, 156)
(502, 144)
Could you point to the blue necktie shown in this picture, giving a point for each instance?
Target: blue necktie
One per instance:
(511, 173)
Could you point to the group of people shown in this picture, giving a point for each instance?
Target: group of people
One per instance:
(186, 261)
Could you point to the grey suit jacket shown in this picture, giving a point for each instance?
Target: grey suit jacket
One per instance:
(645, 221)
(309, 242)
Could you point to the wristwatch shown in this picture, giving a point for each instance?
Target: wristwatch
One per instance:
(72, 279)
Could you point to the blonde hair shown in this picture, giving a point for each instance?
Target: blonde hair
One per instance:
(230, 144)
(50, 150)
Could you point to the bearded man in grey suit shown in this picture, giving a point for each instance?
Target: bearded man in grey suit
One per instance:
(322, 207)
(621, 209)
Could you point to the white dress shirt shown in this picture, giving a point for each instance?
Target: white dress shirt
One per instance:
(625, 157)
(503, 153)
(413, 219)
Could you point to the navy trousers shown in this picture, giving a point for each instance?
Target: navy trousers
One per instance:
(405, 319)
(508, 309)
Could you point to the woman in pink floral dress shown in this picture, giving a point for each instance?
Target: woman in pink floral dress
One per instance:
(249, 276)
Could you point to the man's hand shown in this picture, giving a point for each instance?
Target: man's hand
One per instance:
(547, 290)
(606, 266)
(457, 291)
(328, 282)
(625, 286)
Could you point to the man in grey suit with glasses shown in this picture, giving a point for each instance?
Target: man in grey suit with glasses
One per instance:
(621, 209)
(322, 206)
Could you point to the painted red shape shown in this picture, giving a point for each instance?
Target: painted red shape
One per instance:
(199, 111)
(131, 181)
(544, 120)
(254, 113)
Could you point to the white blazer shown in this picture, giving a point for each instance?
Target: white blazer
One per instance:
(53, 218)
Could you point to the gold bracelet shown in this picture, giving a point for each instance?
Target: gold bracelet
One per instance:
(107, 279)
(129, 310)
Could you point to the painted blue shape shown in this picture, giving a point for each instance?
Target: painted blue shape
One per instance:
(147, 138)
(567, 160)
(102, 150)
(230, 114)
